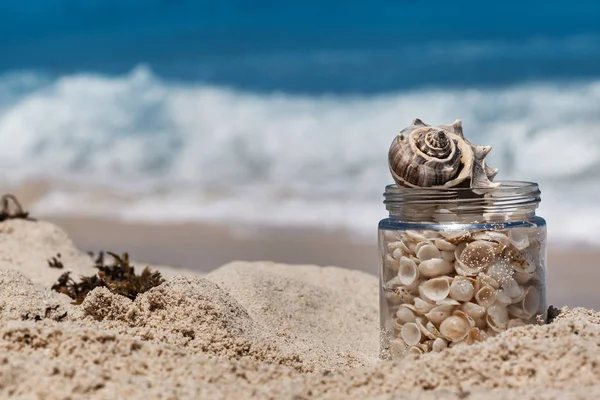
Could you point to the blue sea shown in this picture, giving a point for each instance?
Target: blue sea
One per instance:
(265, 113)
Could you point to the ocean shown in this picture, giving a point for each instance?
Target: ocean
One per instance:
(276, 114)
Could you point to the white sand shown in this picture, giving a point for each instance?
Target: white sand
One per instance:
(252, 330)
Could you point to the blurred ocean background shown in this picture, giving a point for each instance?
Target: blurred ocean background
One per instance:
(279, 114)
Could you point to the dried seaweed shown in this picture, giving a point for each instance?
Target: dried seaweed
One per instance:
(17, 213)
(118, 277)
(56, 262)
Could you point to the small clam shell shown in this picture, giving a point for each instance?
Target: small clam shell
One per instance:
(411, 334)
(403, 295)
(474, 335)
(413, 288)
(473, 310)
(454, 328)
(439, 344)
(517, 311)
(475, 256)
(462, 272)
(435, 267)
(404, 248)
(439, 313)
(512, 289)
(421, 244)
(523, 266)
(436, 289)
(493, 236)
(444, 245)
(427, 252)
(500, 271)
(531, 301)
(522, 277)
(414, 351)
(407, 271)
(462, 289)
(462, 314)
(415, 236)
(448, 302)
(396, 254)
(422, 306)
(425, 346)
(391, 263)
(497, 317)
(411, 246)
(519, 238)
(486, 296)
(405, 314)
(448, 255)
(429, 331)
(502, 297)
(486, 280)
(456, 237)
(397, 324)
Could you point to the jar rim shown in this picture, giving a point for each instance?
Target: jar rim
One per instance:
(509, 198)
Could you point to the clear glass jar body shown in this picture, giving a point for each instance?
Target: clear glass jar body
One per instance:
(458, 267)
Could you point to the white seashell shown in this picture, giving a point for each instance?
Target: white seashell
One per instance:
(396, 254)
(427, 252)
(391, 263)
(419, 245)
(403, 295)
(473, 310)
(407, 271)
(522, 277)
(531, 301)
(474, 335)
(502, 297)
(486, 296)
(475, 256)
(516, 311)
(397, 324)
(439, 313)
(456, 237)
(500, 271)
(519, 238)
(494, 236)
(438, 156)
(462, 289)
(439, 344)
(405, 314)
(415, 259)
(425, 346)
(415, 236)
(448, 255)
(463, 272)
(411, 334)
(523, 266)
(429, 331)
(444, 245)
(435, 267)
(422, 306)
(414, 351)
(512, 289)
(404, 248)
(462, 314)
(413, 288)
(397, 348)
(411, 246)
(497, 317)
(454, 328)
(486, 280)
(436, 289)
(448, 302)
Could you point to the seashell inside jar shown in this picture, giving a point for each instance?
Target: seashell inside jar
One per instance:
(453, 276)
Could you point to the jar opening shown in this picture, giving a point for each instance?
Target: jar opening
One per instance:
(512, 200)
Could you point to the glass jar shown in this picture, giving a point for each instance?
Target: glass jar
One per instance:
(459, 265)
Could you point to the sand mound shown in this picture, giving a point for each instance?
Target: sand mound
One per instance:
(253, 330)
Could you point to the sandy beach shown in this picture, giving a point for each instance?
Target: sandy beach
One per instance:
(261, 330)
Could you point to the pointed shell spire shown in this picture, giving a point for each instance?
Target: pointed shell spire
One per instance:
(438, 156)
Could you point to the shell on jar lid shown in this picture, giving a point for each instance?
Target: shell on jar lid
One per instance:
(407, 271)
(438, 156)
(436, 289)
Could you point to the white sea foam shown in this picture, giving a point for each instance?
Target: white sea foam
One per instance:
(198, 152)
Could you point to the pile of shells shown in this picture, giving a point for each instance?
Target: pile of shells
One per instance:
(445, 288)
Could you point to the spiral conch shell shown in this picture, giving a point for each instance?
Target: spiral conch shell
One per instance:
(438, 156)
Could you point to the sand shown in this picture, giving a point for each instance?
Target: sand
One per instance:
(253, 330)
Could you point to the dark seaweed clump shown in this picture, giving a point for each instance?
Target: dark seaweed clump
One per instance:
(56, 262)
(118, 277)
(17, 211)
